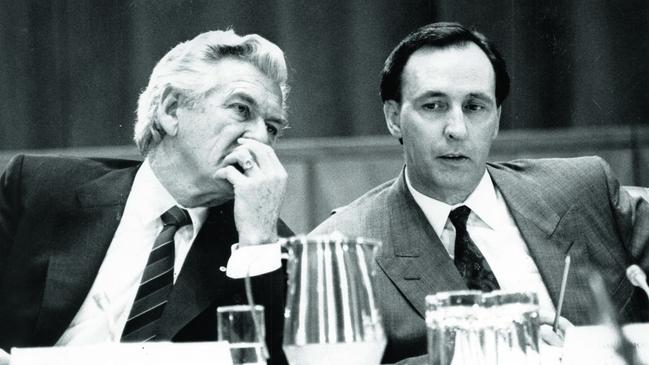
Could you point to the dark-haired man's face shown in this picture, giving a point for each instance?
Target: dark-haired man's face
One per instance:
(447, 118)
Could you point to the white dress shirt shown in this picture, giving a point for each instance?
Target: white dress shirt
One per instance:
(104, 312)
(494, 232)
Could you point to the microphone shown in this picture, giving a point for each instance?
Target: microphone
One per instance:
(638, 278)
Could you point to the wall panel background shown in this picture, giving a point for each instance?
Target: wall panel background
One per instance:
(71, 71)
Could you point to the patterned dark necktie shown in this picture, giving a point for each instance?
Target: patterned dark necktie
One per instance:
(157, 281)
(472, 265)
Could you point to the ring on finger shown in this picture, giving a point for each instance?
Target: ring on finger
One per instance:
(247, 165)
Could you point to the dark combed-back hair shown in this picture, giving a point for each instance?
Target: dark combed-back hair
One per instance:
(439, 35)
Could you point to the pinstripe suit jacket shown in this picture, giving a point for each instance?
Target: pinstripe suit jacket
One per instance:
(561, 206)
(57, 219)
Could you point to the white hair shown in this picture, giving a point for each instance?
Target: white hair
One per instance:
(187, 66)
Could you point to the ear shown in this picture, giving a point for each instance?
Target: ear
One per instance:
(168, 110)
(497, 124)
(391, 112)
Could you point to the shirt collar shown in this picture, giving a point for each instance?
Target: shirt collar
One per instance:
(435, 211)
(480, 201)
(149, 199)
(483, 201)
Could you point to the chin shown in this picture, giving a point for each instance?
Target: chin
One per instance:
(215, 194)
(459, 183)
(210, 201)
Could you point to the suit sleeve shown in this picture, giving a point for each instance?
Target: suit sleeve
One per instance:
(10, 207)
(631, 217)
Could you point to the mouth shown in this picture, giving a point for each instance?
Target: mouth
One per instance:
(453, 157)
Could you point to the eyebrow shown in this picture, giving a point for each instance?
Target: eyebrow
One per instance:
(245, 96)
(432, 94)
(482, 96)
(437, 94)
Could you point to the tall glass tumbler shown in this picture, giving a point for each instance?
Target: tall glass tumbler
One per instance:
(236, 325)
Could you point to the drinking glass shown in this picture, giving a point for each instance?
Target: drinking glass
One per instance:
(471, 327)
(514, 320)
(455, 328)
(236, 325)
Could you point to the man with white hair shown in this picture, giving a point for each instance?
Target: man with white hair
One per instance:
(95, 250)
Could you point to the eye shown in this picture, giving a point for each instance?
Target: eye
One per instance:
(474, 107)
(241, 109)
(433, 105)
(272, 129)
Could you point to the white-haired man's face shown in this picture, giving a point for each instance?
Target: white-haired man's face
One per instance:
(236, 123)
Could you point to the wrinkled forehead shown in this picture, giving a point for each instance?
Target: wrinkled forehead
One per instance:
(239, 76)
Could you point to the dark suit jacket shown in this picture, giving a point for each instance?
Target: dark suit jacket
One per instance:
(561, 206)
(57, 219)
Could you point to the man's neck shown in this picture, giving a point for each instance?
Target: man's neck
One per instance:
(451, 195)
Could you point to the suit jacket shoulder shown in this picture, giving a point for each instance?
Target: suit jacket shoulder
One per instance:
(365, 214)
(558, 179)
(38, 187)
(46, 180)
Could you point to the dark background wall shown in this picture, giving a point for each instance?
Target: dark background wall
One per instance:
(70, 71)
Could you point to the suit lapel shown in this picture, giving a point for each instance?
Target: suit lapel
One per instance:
(200, 279)
(412, 256)
(80, 238)
(550, 236)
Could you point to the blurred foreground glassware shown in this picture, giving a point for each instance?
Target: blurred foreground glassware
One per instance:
(516, 325)
(454, 328)
(331, 315)
(471, 327)
(236, 325)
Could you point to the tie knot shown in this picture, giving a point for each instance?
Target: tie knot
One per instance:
(459, 216)
(175, 217)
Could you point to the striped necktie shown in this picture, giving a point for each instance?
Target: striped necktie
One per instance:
(157, 281)
(470, 262)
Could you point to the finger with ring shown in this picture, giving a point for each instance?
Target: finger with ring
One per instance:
(247, 164)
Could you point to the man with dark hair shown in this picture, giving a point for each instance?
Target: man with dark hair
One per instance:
(452, 221)
(97, 250)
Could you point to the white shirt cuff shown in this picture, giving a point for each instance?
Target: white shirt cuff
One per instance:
(5, 359)
(254, 260)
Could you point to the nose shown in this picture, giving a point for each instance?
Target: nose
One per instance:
(455, 128)
(256, 129)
